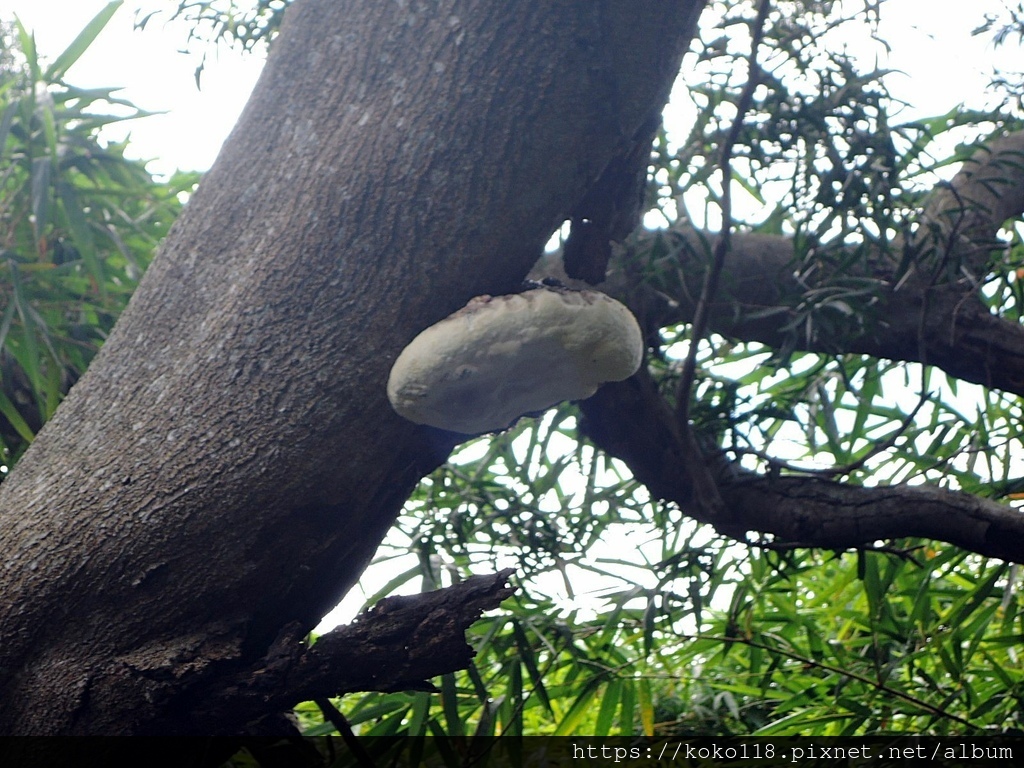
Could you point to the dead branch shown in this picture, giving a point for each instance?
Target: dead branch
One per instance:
(399, 644)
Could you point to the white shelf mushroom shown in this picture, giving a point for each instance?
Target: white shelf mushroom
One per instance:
(501, 357)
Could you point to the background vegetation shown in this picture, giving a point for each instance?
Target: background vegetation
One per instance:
(79, 223)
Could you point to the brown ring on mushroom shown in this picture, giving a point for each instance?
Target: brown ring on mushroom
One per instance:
(501, 357)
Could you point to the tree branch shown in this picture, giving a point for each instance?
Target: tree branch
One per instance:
(399, 644)
(930, 314)
(631, 421)
(967, 213)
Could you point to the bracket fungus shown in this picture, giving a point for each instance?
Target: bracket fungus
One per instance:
(502, 357)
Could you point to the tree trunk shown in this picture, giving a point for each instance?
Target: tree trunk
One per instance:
(230, 462)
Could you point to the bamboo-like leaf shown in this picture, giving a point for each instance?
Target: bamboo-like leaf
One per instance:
(650, 616)
(609, 703)
(485, 725)
(11, 413)
(512, 725)
(23, 346)
(392, 585)
(645, 700)
(81, 43)
(973, 601)
(6, 121)
(450, 705)
(390, 725)
(41, 167)
(9, 310)
(627, 711)
(81, 235)
(27, 44)
(579, 709)
(418, 713)
(799, 721)
(375, 706)
(527, 656)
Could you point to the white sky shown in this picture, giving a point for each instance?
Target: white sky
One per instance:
(931, 41)
(154, 74)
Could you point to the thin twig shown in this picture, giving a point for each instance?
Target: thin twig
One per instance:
(809, 662)
(705, 487)
(791, 546)
(711, 278)
(842, 469)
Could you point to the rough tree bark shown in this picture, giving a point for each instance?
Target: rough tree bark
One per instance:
(229, 463)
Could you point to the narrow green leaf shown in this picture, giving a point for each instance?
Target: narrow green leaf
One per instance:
(627, 712)
(10, 310)
(528, 657)
(867, 568)
(374, 706)
(320, 729)
(750, 189)
(27, 43)
(27, 352)
(646, 702)
(865, 400)
(513, 724)
(986, 706)
(392, 585)
(6, 120)
(81, 43)
(390, 726)
(579, 709)
(12, 415)
(418, 713)
(485, 725)
(951, 664)
(977, 627)
(650, 616)
(450, 704)
(799, 722)
(41, 167)
(81, 235)
(45, 112)
(976, 598)
(609, 703)
(478, 683)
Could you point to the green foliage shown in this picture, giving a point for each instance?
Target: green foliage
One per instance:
(79, 223)
(819, 157)
(248, 25)
(683, 634)
(243, 24)
(630, 619)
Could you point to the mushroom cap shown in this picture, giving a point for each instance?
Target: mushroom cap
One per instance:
(501, 357)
